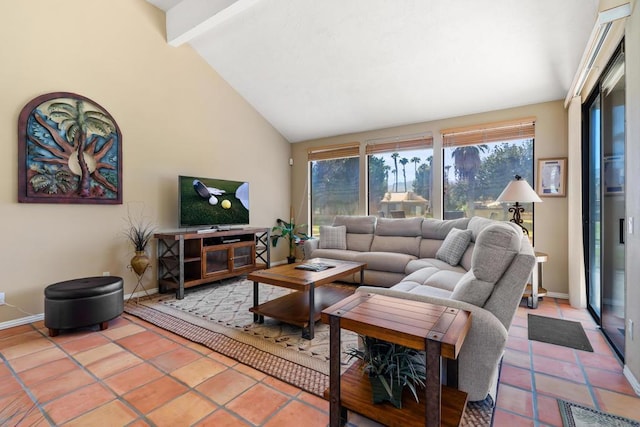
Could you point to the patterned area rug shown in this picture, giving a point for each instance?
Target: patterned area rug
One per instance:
(218, 317)
(227, 304)
(574, 415)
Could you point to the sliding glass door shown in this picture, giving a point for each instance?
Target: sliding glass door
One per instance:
(604, 201)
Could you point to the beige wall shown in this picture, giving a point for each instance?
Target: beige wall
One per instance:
(551, 141)
(177, 116)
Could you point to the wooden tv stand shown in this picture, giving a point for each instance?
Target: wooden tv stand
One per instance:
(191, 258)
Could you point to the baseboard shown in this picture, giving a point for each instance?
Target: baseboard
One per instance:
(557, 295)
(632, 379)
(21, 321)
(38, 317)
(141, 294)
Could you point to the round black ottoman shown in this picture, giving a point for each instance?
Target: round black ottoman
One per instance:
(83, 302)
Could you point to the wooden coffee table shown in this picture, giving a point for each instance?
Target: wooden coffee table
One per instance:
(302, 308)
(438, 330)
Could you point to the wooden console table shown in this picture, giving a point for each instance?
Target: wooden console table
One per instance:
(191, 258)
(439, 330)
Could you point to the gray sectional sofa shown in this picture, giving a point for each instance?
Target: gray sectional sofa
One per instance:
(475, 264)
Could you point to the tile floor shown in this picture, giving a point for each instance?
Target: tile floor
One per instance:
(136, 374)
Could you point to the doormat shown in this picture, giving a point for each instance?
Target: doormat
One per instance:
(574, 415)
(558, 331)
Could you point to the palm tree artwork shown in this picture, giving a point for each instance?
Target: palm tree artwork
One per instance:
(70, 151)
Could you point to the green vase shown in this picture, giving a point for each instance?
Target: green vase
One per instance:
(380, 393)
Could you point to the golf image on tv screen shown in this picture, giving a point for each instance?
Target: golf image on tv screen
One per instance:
(212, 202)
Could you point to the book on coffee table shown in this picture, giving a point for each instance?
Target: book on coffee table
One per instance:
(314, 266)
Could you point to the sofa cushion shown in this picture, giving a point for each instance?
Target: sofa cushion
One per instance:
(399, 227)
(470, 289)
(397, 235)
(465, 261)
(415, 288)
(495, 248)
(344, 255)
(359, 224)
(385, 261)
(359, 242)
(454, 246)
(429, 247)
(397, 244)
(438, 228)
(417, 264)
(477, 224)
(333, 237)
(435, 277)
(359, 230)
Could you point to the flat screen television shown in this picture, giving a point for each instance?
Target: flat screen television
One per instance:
(212, 203)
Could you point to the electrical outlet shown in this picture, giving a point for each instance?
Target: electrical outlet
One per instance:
(630, 328)
(106, 273)
(1, 298)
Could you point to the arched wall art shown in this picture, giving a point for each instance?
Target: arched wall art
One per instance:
(69, 151)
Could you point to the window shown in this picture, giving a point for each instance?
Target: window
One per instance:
(335, 183)
(400, 175)
(479, 162)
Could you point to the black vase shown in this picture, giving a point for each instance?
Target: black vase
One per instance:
(291, 259)
(380, 394)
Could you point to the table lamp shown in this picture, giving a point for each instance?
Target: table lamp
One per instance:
(518, 191)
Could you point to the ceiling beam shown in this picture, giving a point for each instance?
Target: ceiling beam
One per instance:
(190, 18)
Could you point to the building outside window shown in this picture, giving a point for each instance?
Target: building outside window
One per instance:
(400, 178)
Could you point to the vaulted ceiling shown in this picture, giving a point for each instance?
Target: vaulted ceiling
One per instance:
(323, 68)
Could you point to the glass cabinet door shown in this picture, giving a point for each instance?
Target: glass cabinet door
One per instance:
(243, 256)
(223, 259)
(216, 261)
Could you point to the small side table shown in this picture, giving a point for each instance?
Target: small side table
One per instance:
(438, 330)
(534, 290)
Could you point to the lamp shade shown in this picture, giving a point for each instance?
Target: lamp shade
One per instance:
(518, 190)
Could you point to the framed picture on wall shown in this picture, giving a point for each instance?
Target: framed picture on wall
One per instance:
(552, 177)
(613, 175)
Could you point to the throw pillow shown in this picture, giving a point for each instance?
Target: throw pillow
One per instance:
(453, 246)
(333, 237)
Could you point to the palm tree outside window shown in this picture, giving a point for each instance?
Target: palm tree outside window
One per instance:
(480, 162)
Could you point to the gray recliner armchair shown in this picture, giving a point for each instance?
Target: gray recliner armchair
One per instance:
(491, 290)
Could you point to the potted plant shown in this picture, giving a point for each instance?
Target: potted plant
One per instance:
(139, 233)
(288, 230)
(390, 368)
